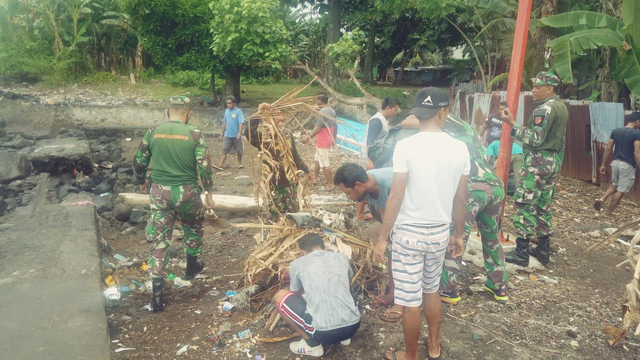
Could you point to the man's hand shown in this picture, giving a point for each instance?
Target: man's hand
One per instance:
(222, 135)
(239, 136)
(143, 188)
(305, 139)
(378, 251)
(208, 201)
(603, 170)
(456, 246)
(507, 117)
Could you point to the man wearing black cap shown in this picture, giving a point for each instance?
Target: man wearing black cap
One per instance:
(429, 183)
(626, 156)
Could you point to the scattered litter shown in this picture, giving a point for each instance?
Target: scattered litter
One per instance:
(561, 251)
(109, 281)
(231, 293)
(549, 280)
(477, 337)
(127, 139)
(228, 308)
(368, 307)
(112, 293)
(147, 308)
(171, 276)
(244, 334)
(119, 257)
(575, 344)
(533, 278)
(105, 194)
(115, 341)
(181, 283)
(214, 292)
(124, 349)
(125, 290)
(128, 230)
(144, 266)
(241, 177)
(258, 357)
(197, 312)
(182, 350)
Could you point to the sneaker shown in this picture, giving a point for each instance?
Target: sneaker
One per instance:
(346, 342)
(452, 297)
(500, 294)
(302, 348)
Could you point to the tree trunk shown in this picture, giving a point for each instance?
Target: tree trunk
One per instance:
(333, 35)
(367, 68)
(138, 57)
(398, 80)
(232, 84)
(212, 86)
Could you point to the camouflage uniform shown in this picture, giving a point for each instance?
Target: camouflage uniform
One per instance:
(485, 195)
(179, 153)
(543, 144)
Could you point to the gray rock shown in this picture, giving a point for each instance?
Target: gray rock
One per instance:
(3, 206)
(138, 216)
(122, 212)
(18, 142)
(66, 190)
(102, 188)
(61, 155)
(26, 199)
(103, 203)
(13, 166)
(85, 184)
(15, 187)
(73, 197)
(129, 102)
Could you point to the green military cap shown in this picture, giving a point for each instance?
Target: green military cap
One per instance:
(179, 100)
(546, 78)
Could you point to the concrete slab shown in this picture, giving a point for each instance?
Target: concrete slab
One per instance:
(52, 304)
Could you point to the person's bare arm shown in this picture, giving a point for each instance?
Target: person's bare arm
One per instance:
(313, 134)
(608, 154)
(456, 244)
(391, 212)
(636, 151)
(224, 128)
(239, 136)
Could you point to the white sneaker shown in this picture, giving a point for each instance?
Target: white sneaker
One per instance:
(302, 348)
(346, 342)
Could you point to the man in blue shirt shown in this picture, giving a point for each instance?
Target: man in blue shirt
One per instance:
(232, 131)
(516, 157)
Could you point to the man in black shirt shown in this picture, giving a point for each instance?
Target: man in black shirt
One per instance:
(626, 156)
(494, 124)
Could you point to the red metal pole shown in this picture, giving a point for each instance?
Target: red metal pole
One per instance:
(513, 91)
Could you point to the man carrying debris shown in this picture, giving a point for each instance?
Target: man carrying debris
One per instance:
(179, 154)
(484, 199)
(378, 124)
(543, 143)
(328, 313)
(493, 123)
(429, 183)
(232, 131)
(326, 130)
(626, 158)
(373, 187)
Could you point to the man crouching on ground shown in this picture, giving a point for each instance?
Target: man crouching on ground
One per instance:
(329, 314)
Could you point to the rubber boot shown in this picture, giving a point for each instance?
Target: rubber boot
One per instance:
(541, 252)
(157, 302)
(520, 255)
(194, 266)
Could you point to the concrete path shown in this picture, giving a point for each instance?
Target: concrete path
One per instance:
(51, 303)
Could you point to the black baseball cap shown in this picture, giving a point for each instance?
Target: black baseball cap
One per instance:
(428, 101)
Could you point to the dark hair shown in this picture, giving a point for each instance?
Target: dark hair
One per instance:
(505, 104)
(350, 173)
(323, 97)
(232, 98)
(633, 117)
(389, 102)
(311, 241)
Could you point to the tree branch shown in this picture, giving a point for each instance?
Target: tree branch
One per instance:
(352, 75)
(473, 48)
(367, 99)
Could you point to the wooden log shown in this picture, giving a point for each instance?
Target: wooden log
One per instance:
(223, 202)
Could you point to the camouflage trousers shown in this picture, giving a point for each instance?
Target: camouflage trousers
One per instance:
(483, 206)
(168, 204)
(534, 193)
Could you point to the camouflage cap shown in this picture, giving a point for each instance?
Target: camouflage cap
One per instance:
(546, 78)
(179, 100)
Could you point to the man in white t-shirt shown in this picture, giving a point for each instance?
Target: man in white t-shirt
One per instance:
(429, 183)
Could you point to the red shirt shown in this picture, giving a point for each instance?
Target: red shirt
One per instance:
(325, 137)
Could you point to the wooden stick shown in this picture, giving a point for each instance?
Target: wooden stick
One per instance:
(277, 339)
(624, 227)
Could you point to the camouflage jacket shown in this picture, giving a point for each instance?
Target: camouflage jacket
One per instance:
(179, 153)
(546, 127)
(481, 171)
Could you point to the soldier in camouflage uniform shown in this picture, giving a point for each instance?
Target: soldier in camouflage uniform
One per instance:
(543, 144)
(485, 195)
(179, 154)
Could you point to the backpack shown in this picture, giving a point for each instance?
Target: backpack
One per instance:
(381, 151)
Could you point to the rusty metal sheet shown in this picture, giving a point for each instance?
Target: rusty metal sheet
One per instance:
(577, 154)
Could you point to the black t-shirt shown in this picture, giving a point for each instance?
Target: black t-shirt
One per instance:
(375, 128)
(624, 139)
(495, 127)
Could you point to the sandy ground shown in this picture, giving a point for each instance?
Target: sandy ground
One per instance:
(562, 319)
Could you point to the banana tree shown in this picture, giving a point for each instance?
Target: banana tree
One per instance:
(590, 30)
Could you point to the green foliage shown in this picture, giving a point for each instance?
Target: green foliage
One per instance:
(249, 33)
(347, 49)
(189, 78)
(148, 74)
(100, 78)
(23, 61)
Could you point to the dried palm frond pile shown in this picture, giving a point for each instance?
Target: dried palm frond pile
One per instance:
(276, 251)
(276, 154)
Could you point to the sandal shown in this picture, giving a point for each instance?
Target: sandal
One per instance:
(386, 316)
(428, 354)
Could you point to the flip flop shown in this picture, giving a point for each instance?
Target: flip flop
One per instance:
(378, 301)
(393, 353)
(384, 316)
(429, 356)
(597, 205)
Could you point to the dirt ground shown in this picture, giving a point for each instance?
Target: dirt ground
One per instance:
(558, 319)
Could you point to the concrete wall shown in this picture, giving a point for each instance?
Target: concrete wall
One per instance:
(46, 120)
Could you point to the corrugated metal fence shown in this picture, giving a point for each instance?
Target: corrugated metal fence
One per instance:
(588, 130)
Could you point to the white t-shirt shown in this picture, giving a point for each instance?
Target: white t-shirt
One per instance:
(434, 162)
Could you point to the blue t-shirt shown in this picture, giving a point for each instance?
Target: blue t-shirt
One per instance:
(384, 177)
(494, 147)
(233, 118)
